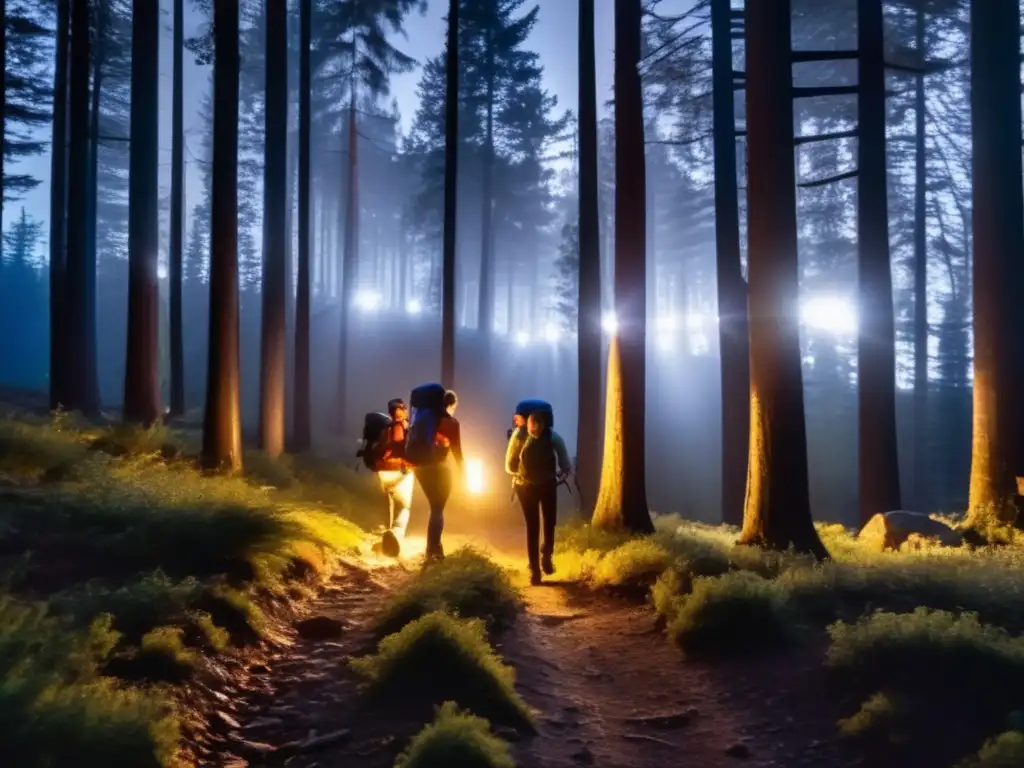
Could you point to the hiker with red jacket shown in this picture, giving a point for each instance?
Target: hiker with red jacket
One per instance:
(434, 435)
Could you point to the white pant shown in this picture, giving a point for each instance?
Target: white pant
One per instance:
(398, 487)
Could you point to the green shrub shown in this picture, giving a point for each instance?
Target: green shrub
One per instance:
(440, 658)
(467, 584)
(56, 709)
(637, 562)
(901, 650)
(731, 614)
(878, 719)
(1004, 751)
(456, 740)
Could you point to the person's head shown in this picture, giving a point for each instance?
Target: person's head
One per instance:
(451, 402)
(397, 409)
(537, 423)
(518, 420)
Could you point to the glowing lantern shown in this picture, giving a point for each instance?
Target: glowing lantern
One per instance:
(474, 476)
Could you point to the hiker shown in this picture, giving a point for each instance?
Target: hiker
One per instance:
(434, 435)
(538, 463)
(395, 476)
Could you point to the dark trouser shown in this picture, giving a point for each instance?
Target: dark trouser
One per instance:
(436, 482)
(539, 501)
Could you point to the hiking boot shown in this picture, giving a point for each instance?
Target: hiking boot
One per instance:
(389, 544)
(535, 578)
(547, 566)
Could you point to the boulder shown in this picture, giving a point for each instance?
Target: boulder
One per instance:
(889, 530)
(319, 628)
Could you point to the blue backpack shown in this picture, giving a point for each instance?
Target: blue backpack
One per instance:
(427, 402)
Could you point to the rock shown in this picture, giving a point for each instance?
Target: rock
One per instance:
(738, 750)
(327, 740)
(890, 530)
(319, 628)
(259, 669)
(170, 452)
(228, 719)
(257, 747)
(507, 733)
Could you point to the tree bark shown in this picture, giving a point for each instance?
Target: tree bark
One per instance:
(83, 388)
(732, 290)
(451, 164)
(922, 498)
(350, 258)
(142, 367)
(778, 509)
(58, 208)
(485, 305)
(998, 244)
(302, 436)
(876, 335)
(177, 213)
(272, 337)
(588, 317)
(222, 433)
(628, 399)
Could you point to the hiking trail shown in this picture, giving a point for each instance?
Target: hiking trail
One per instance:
(609, 688)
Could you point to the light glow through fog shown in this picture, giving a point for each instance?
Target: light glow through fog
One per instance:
(368, 301)
(522, 339)
(552, 332)
(413, 307)
(834, 314)
(610, 323)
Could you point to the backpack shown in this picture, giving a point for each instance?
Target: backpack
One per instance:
(525, 407)
(427, 403)
(537, 463)
(375, 438)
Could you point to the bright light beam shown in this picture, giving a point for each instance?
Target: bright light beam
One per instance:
(610, 323)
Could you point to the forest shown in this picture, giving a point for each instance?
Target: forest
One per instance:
(759, 258)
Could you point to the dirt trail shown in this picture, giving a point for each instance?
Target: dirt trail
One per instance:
(610, 690)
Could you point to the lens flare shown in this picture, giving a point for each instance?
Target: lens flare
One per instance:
(475, 476)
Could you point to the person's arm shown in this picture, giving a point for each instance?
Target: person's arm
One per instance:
(512, 454)
(564, 465)
(456, 440)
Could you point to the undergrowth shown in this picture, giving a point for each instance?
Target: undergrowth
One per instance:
(124, 566)
(440, 658)
(466, 584)
(457, 739)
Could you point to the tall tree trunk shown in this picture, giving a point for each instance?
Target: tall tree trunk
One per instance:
(588, 317)
(485, 305)
(99, 57)
(272, 337)
(177, 213)
(732, 290)
(222, 424)
(302, 436)
(451, 159)
(58, 208)
(83, 386)
(3, 116)
(624, 443)
(350, 257)
(142, 367)
(876, 334)
(778, 508)
(921, 333)
(998, 245)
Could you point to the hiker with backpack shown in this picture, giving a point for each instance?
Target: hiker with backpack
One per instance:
(434, 434)
(383, 452)
(538, 462)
